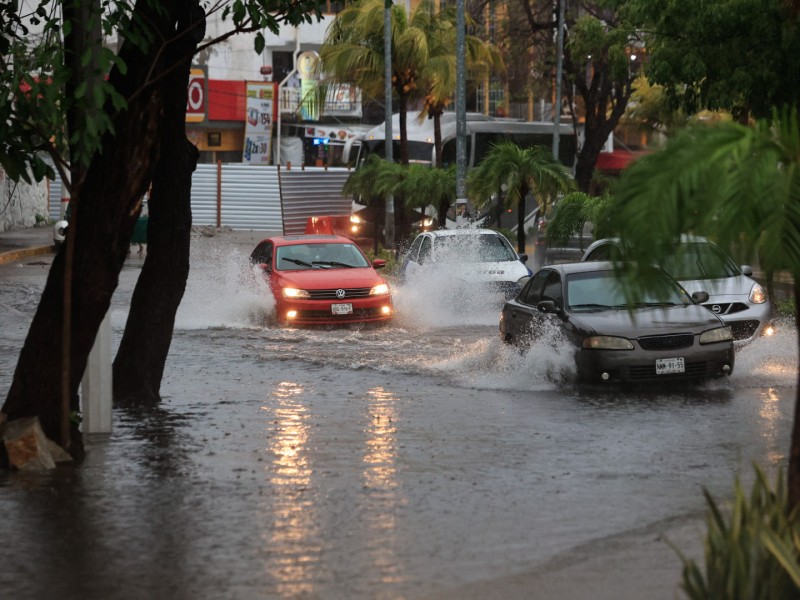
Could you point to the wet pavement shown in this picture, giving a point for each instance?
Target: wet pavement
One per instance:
(423, 460)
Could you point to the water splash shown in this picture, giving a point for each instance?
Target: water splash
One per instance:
(223, 291)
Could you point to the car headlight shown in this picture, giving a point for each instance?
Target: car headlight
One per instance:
(295, 293)
(720, 334)
(606, 342)
(379, 290)
(757, 294)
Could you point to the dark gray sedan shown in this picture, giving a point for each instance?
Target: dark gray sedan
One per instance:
(657, 333)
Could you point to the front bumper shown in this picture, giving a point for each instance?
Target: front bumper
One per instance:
(701, 362)
(375, 309)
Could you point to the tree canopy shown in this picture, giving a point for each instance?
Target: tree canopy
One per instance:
(737, 55)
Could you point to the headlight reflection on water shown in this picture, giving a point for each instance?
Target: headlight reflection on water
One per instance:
(293, 536)
(380, 481)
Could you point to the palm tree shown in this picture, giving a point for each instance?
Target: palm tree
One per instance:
(519, 171)
(438, 74)
(574, 211)
(735, 184)
(353, 53)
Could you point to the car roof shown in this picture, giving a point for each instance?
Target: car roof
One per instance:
(462, 231)
(685, 238)
(293, 240)
(582, 267)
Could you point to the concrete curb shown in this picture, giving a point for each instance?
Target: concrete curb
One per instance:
(15, 255)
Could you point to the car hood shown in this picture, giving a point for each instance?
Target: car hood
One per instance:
(690, 318)
(512, 270)
(325, 279)
(719, 289)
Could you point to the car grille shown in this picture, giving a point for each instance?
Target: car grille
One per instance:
(725, 308)
(331, 294)
(361, 314)
(666, 342)
(693, 369)
(743, 329)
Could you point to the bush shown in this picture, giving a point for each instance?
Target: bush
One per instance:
(753, 553)
(392, 262)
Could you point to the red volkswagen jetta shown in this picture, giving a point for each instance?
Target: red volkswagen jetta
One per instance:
(323, 280)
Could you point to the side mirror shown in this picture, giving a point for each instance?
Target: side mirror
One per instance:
(266, 267)
(700, 297)
(523, 258)
(378, 263)
(547, 306)
(747, 270)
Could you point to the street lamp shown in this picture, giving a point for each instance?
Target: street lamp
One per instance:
(461, 105)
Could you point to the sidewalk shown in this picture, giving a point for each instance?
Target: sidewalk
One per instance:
(17, 244)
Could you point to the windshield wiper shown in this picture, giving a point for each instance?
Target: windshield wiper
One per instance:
(591, 306)
(297, 261)
(333, 263)
(655, 304)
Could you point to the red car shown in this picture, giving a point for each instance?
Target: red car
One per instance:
(323, 280)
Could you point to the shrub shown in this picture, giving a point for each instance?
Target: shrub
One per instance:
(751, 551)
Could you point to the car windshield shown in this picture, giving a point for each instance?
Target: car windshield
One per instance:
(319, 256)
(605, 290)
(698, 260)
(478, 247)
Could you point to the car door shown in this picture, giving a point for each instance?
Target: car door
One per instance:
(262, 254)
(411, 255)
(522, 315)
(422, 257)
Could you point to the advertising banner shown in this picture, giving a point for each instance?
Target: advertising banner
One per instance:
(258, 127)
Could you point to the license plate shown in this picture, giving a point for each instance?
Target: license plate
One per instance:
(343, 309)
(665, 366)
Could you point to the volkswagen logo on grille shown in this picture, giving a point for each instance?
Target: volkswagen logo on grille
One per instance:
(716, 309)
(340, 294)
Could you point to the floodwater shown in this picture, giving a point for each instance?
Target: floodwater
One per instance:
(400, 462)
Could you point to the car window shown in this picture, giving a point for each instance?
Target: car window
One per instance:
(532, 292)
(597, 290)
(552, 289)
(262, 254)
(474, 247)
(425, 250)
(700, 260)
(320, 256)
(605, 252)
(414, 250)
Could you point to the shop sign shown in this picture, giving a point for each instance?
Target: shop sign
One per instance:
(197, 97)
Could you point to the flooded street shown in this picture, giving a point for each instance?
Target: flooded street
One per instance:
(420, 460)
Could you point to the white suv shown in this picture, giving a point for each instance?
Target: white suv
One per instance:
(478, 257)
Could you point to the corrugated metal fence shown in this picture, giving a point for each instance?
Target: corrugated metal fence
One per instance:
(260, 198)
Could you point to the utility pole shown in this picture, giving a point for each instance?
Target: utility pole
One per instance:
(559, 75)
(387, 53)
(461, 105)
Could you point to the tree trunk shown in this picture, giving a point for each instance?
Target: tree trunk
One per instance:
(102, 229)
(523, 193)
(444, 203)
(104, 213)
(140, 360)
(793, 476)
(402, 224)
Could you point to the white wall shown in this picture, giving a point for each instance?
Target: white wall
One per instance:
(21, 205)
